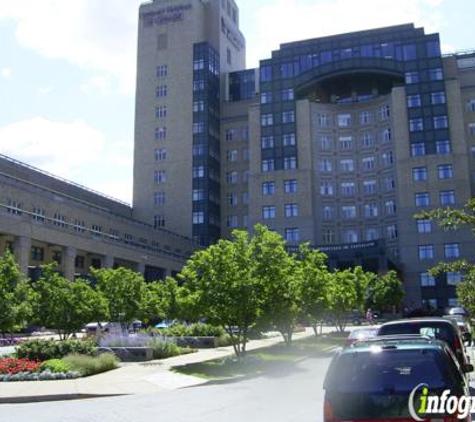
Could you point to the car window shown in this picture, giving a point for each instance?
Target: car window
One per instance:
(439, 331)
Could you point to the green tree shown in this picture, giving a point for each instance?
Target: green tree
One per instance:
(125, 292)
(64, 305)
(385, 291)
(342, 297)
(220, 285)
(160, 300)
(314, 284)
(15, 295)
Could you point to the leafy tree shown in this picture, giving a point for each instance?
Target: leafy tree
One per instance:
(125, 292)
(314, 283)
(220, 285)
(342, 297)
(66, 305)
(160, 300)
(15, 295)
(385, 291)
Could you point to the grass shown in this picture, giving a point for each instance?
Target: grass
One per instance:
(91, 365)
(268, 360)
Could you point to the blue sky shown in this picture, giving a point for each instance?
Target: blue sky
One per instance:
(67, 70)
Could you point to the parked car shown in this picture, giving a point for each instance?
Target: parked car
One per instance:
(458, 310)
(435, 327)
(464, 327)
(359, 334)
(167, 323)
(372, 380)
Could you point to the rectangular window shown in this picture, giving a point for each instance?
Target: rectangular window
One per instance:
(323, 120)
(325, 165)
(232, 198)
(267, 165)
(371, 210)
(412, 77)
(161, 112)
(268, 212)
(414, 101)
(14, 207)
(198, 195)
(38, 214)
(368, 163)
(160, 176)
(292, 235)
(372, 233)
(159, 198)
(419, 174)
(158, 221)
(96, 230)
(266, 97)
(160, 154)
(387, 158)
(287, 94)
(290, 186)
(436, 74)
(389, 183)
(453, 278)
(291, 210)
(441, 122)
(348, 188)
(199, 150)
(391, 231)
(198, 64)
(345, 142)
(447, 197)
(198, 172)
(160, 133)
(266, 73)
(443, 147)
(328, 212)
(198, 106)
(350, 236)
(325, 143)
(416, 125)
(268, 188)
(288, 117)
(198, 85)
(348, 212)
(37, 253)
(471, 129)
(369, 187)
(365, 118)
(198, 217)
(288, 139)
(386, 135)
(79, 226)
(59, 220)
(445, 171)
(290, 163)
(232, 177)
(246, 154)
(367, 139)
(422, 199)
(384, 112)
(267, 119)
(267, 142)
(390, 207)
(347, 165)
(162, 70)
(437, 97)
(232, 221)
(426, 280)
(326, 189)
(451, 250)
(231, 155)
(198, 127)
(424, 226)
(344, 120)
(471, 105)
(418, 149)
(230, 134)
(161, 91)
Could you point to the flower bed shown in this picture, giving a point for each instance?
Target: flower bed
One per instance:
(13, 366)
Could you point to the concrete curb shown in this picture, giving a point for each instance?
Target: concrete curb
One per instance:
(53, 397)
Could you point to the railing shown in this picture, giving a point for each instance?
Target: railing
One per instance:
(460, 53)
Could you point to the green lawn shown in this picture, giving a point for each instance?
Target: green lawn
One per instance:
(276, 358)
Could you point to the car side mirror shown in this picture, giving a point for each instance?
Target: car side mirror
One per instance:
(467, 367)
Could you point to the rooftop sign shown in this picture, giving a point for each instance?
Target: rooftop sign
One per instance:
(166, 15)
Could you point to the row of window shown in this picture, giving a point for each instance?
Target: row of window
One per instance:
(414, 77)
(414, 101)
(427, 280)
(353, 235)
(438, 122)
(346, 142)
(290, 210)
(423, 199)
(232, 198)
(419, 148)
(268, 164)
(324, 120)
(233, 155)
(288, 139)
(286, 117)
(444, 171)
(350, 211)
(451, 251)
(325, 165)
(290, 186)
(349, 188)
(286, 94)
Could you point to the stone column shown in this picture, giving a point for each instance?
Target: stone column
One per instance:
(22, 250)
(108, 261)
(69, 262)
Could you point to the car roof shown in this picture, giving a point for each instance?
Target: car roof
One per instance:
(422, 320)
(396, 342)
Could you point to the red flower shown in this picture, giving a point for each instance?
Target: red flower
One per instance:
(13, 366)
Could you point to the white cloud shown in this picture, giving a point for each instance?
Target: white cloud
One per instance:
(95, 35)
(44, 90)
(6, 72)
(292, 20)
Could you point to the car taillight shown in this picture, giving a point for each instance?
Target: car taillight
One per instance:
(457, 344)
(328, 412)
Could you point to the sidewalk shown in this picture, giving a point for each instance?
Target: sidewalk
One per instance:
(136, 378)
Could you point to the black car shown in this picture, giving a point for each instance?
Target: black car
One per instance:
(372, 380)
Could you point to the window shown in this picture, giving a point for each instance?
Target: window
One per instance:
(288, 139)
(367, 140)
(447, 197)
(159, 198)
(445, 171)
(59, 220)
(290, 186)
(266, 73)
(419, 174)
(372, 233)
(325, 165)
(79, 261)
(232, 177)
(371, 210)
(471, 105)
(437, 97)
(451, 250)
(365, 118)
(162, 70)
(198, 172)
(386, 135)
(231, 134)
(267, 142)
(418, 149)
(245, 198)
(325, 142)
(389, 183)
(344, 120)
(348, 188)
(268, 188)
(96, 230)
(288, 117)
(231, 221)
(441, 122)
(323, 120)
(328, 237)
(453, 278)
(326, 189)
(424, 226)
(291, 210)
(245, 220)
(387, 158)
(161, 91)
(350, 236)
(160, 176)
(426, 252)
(369, 187)
(267, 120)
(79, 226)
(348, 212)
(198, 194)
(267, 165)
(268, 212)
(290, 163)
(409, 52)
(471, 129)
(443, 147)
(413, 101)
(198, 64)
(328, 212)
(422, 199)
(231, 155)
(160, 133)
(412, 77)
(432, 49)
(158, 221)
(198, 217)
(345, 142)
(14, 207)
(368, 163)
(436, 74)
(385, 112)
(232, 199)
(199, 149)
(292, 235)
(287, 94)
(347, 164)
(426, 280)
(391, 231)
(38, 214)
(245, 154)
(198, 127)
(160, 154)
(416, 125)
(198, 106)
(390, 207)
(266, 97)
(161, 112)
(37, 253)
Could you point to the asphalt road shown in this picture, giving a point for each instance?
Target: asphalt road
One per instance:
(288, 393)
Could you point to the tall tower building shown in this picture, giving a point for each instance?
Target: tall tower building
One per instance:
(185, 49)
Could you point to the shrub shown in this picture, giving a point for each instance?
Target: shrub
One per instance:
(91, 365)
(12, 366)
(42, 350)
(193, 330)
(163, 349)
(54, 366)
